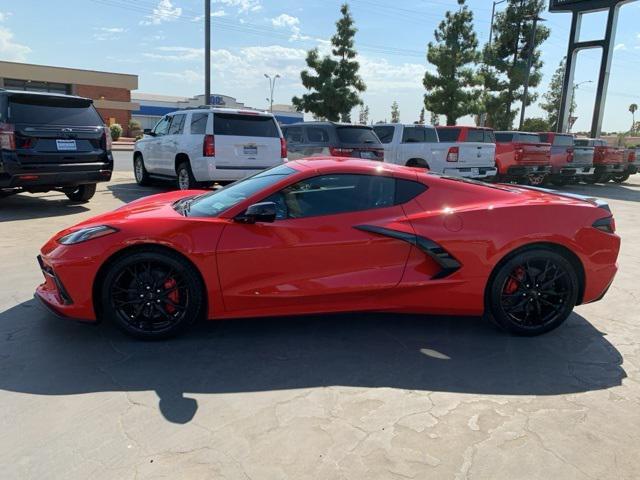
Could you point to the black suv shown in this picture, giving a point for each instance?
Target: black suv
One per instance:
(312, 139)
(52, 142)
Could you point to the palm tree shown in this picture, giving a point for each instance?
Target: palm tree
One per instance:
(633, 108)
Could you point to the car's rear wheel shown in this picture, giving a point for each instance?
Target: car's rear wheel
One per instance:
(140, 171)
(560, 181)
(82, 193)
(185, 179)
(152, 294)
(621, 178)
(533, 292)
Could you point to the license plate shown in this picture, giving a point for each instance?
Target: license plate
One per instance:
(66, 145)
(250, 150)
(475, 171)
(370, 155)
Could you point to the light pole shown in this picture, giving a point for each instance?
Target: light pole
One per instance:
(573, 96)
(207, 52)
(272, 86)
(483, 116)
(532, 48)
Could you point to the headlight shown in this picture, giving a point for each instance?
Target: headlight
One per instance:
(85, 234)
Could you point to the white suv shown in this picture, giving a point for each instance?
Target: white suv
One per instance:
(205, 145)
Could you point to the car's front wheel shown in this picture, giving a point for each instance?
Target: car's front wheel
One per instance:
(621, 178)
(185, 178)
(140, 171)
(82, 193)
(152, 294)
(533, 292)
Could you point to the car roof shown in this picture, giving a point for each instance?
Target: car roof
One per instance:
(326, 124)
(463, 126)
(238, 111)
(11, 93)
(403, 124)
(353, 165)
(516, 131)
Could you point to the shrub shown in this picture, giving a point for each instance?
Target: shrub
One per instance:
(135, 129)
(116, 131)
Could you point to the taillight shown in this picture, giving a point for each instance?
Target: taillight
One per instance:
(107, 140)
(452, 154)
(340, 152)
(7, 137)
(569, 155)
(632, 156)
(283, 148)
(518, 155)
(209, 146)
(607, 224)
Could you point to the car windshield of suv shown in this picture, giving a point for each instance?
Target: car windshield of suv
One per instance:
(448, 134)
(218, 201)
(356, 135)
(244, 125)
(385, 134)
(43, 110)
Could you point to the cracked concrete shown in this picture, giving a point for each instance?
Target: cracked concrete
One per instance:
(330, 397)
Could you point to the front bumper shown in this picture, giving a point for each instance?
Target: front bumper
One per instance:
(471, 172)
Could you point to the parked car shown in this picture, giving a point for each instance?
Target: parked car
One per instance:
(319, 139)
(631, 157)
(522, 157)
(201, 146)
(607, 161)
(563, 165)
(471, 151)
(335, 235)
(52, 142)
(412, 145)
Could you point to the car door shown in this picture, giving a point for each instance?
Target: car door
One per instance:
(170, 145)
(316, 253)
(414, 143)
(152, 159)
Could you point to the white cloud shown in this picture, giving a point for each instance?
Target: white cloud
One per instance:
(380, 75)
(243, 6)
(217, 13)
(108, 33)
(291, 23)
(620, 46)
(187, 76)
(9, 50)
(176, 54)
(163, 12)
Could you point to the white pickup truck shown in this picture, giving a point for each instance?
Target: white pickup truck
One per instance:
(463, 152)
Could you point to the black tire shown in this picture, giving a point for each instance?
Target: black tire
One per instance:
(532, 292)
(140, 171)
(184, 177)
(152, 294)
(560, 181)
(590, 179)
(417, 163)
(82, 193)
(621, 178)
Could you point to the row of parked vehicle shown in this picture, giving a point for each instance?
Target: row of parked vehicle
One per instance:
(206, 145)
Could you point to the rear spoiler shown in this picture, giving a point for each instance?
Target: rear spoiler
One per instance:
(592, 200)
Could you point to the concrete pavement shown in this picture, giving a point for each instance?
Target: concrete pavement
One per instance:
(323, 397)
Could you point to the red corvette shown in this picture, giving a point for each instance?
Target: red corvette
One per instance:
(334, 235)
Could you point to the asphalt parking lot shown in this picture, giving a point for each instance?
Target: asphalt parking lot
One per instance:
(322, 397)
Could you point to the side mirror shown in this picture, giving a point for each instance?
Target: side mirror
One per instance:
(259, 212)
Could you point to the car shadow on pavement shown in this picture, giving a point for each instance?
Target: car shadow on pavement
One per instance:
(27, 206)
(42, 355)
(128, 192)
(610, 191)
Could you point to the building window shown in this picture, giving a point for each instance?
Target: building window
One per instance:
(32, 86)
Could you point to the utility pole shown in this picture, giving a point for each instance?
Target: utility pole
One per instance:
(272, 86)
(532, 47)
(573, 96)
(207, 52)
(483, 115)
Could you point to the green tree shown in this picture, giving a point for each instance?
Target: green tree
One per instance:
(536, 124)
(395, 112)
(453, 90)
(335, 87)
(363, 117)
(506, 61)
(552, 98)
(434, 119)
(633, 108)
(421, 118)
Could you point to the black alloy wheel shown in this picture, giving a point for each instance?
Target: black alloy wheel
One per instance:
(152, 294)
(533, 292)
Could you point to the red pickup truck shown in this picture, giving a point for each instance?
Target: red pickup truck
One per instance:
(565, 166)
(609, 162)
(631, 157)
(522, 157)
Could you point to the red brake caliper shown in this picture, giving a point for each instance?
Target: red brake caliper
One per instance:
(513, 284)
(173, 296)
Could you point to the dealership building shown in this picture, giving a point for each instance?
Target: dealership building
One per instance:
(153, 107)
(111, 92)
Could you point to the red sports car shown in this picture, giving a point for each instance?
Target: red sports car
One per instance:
(334, 235)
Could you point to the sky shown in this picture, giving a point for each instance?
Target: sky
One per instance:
(162, 42)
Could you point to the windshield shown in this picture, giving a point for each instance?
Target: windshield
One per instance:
(214, 203)
(43, 110)
(356, 135)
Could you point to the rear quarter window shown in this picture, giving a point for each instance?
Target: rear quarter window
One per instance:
(356, 135)
(245, 125)
(199, 123)
(53, 111)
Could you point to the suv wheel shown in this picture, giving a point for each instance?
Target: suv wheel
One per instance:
(185, 179)
(139, 171)
(82, 193)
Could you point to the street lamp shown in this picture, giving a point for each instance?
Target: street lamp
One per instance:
(532, 47)
(573, 95)
(493, 15)
(272, 85)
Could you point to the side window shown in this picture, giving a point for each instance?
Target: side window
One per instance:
(474, 135)
(293, 135)
(162, 127)
(317, 135)
(414, 135)
(177, 124)
(385, 133)
(334, 194)
(199, 123)
(489, 136)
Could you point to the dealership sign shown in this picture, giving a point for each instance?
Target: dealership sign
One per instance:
(582, 5)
